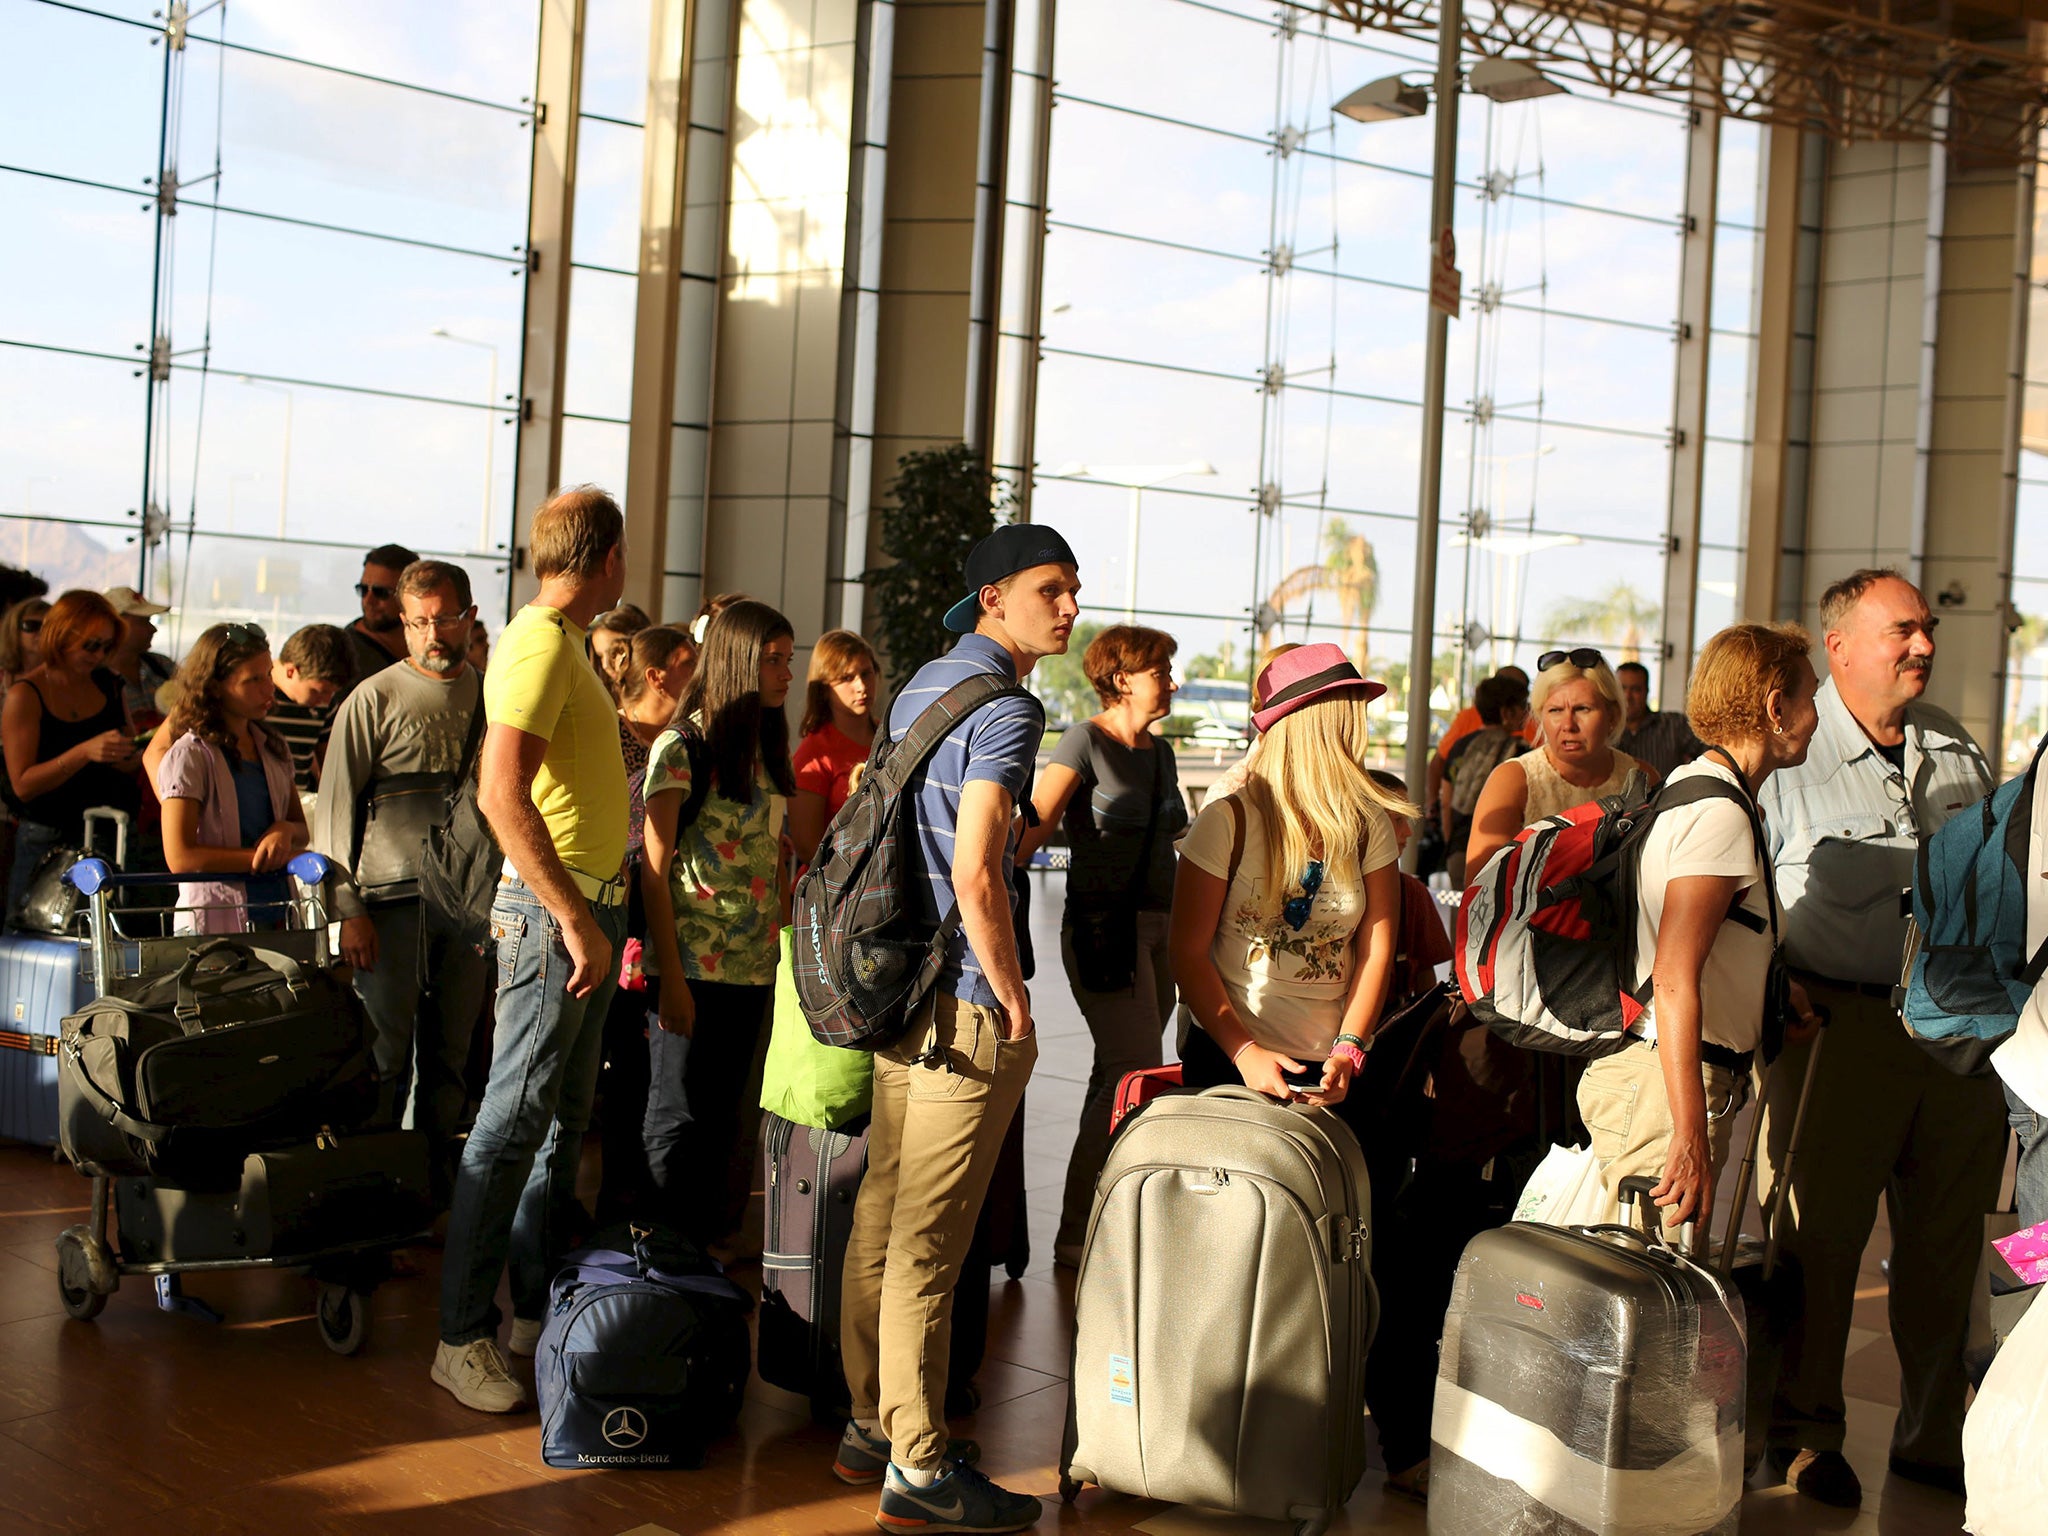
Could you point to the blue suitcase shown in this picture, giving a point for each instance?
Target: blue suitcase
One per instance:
(41, 980)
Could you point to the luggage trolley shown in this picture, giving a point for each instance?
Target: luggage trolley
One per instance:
(89, 1265)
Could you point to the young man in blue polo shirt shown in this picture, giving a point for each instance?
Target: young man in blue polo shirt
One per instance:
(945, 1093)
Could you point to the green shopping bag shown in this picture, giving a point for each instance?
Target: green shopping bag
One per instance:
(811, 1084)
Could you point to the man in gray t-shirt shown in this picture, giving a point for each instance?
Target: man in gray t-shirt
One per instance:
(403, 723)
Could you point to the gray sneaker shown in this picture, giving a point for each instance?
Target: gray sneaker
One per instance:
(963, 1500)
(861, 1458)
(524, 1339)
(477, 1375)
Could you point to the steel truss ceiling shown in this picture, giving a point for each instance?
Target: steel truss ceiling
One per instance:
(1964, 74)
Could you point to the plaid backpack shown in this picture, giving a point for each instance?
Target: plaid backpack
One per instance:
(863, 957)
(1546, 943)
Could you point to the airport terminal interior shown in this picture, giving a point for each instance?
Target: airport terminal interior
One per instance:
(1450, 333)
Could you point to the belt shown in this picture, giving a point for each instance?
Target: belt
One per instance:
(1738, 1062)
(599, 893)
(1882, 990)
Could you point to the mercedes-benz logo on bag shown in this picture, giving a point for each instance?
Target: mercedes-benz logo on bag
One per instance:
(625, 1427)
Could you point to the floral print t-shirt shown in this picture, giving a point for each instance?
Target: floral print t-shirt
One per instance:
(1286, 983)
(722, 882)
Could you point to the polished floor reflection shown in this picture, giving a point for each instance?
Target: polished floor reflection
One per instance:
(151, 1423)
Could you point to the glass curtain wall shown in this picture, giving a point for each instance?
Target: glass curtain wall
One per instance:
(2026, 689)
(337, 296)
(1731, 377)
(1235, 282)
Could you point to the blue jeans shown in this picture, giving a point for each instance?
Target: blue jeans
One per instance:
(2032, 1188)
(517, 1179)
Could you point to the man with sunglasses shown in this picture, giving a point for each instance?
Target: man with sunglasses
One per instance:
(142, 671)
(377, 639)
(393, 752)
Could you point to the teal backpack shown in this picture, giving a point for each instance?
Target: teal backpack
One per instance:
(1971, 974)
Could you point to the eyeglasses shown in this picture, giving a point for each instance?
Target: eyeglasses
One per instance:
(1297, 908)
(452, 624)
(1585, 656)
(31, 626)
(383, 594)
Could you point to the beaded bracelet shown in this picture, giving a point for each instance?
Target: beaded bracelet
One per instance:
(1351, 1053)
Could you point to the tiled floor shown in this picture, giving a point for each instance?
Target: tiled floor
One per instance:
(157, 1424)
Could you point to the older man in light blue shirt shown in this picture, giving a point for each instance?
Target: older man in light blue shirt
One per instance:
(1885, 771)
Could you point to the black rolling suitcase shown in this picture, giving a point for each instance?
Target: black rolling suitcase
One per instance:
(812, 1178)
(335, 1192)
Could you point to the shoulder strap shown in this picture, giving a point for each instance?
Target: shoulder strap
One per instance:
(1136, 888)
(473, 739)
(1237, 824)
(936, 721)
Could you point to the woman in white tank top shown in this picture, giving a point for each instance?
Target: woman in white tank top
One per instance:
(1577, 704)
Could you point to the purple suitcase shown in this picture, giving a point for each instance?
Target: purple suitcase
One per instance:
(41, 980)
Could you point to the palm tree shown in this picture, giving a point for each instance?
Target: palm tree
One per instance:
(1350, 570)
(1621, 615)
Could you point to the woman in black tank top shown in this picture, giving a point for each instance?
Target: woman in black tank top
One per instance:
(65, 734)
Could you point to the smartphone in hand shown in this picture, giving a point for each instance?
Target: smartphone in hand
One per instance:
(1308, 1080)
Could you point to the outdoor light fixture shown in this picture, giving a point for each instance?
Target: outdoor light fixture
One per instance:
(1500, 79)
(1384, 100)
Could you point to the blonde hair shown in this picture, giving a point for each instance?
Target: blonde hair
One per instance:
(1310, 788)
(1729, 700)
(1272, 654)
(1602, 679)
(574, 532)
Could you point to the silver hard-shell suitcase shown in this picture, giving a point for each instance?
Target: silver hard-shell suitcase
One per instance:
(1223, 1311)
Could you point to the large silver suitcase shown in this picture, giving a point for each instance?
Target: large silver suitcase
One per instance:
(1223, 1311)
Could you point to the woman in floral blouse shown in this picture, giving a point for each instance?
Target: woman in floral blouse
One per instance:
(717, 785)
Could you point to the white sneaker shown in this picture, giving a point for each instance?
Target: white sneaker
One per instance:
(478, 1377)
(524, 1340)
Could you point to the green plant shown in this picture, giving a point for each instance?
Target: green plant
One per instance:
(942, 503)
(1060, 681)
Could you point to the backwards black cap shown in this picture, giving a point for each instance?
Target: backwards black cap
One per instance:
(1012, 548)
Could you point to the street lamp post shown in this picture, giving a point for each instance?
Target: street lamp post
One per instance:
(1498, 79)
(1137, 479)
(284, 471)
(483, 537)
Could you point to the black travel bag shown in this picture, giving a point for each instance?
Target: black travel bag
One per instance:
(643, 1359)
(241, 1047)
(329, 1193)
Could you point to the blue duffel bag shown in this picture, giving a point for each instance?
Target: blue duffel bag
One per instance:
(643, 1359)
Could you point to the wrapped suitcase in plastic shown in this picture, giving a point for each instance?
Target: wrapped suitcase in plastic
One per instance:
(1592, 1381)
(1223, 1311)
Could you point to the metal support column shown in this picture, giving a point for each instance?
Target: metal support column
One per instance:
(1689, 391)
(658, 302)
(860, 307)
(991, 165)
(1442, 191)
(2025, 192)
(557, 100)
(1771, 457)
(1020, 317)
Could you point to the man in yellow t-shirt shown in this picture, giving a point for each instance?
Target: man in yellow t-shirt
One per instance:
(552, 784)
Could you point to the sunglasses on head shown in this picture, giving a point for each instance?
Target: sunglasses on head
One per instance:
(365, 589)
(1585, 656)
(244, 634)
(1297, 908)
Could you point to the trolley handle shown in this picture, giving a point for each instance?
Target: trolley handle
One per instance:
(91, 876)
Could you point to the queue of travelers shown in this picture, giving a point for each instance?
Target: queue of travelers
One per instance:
(653, 813)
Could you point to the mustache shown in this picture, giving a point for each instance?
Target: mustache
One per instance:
(1917, 664)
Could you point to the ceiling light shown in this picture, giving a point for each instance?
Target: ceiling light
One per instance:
(1384, 100)
(1500, 79)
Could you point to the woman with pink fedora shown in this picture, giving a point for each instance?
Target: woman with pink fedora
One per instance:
(1284, 915)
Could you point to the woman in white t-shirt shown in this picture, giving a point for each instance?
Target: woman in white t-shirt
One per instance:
(1284, 960)
(1664, 1105)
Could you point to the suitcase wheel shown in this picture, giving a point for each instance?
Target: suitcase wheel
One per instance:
(344, 1318)
(1070, 1490)
(85, 1274)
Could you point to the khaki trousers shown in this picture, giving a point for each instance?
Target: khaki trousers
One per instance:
(1886, 1120)
(1627, 1109)
(936, 1132)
